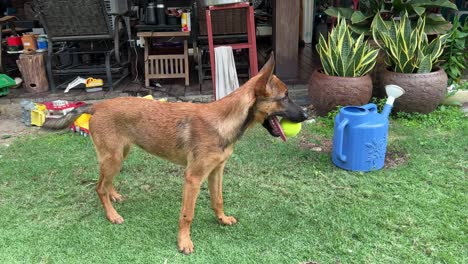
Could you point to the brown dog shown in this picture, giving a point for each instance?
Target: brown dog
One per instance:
(198, 136)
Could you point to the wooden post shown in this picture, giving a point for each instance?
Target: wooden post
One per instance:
(286, 37)
(33, 71)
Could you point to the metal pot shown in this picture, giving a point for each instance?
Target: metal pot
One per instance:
(150, 18)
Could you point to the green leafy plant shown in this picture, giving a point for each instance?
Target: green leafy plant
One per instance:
(407, 49)
(342, 55)
(444, 117)
(380, 102)
(361, 19)
(435, 23)
(455, 53)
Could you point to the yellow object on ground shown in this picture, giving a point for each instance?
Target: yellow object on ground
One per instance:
(91, 82)
(149, 96)
(291, 129)
(41, 107)
(38, 115)
(83, 121)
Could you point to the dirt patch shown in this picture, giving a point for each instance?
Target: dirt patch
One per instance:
(316, 143)
(10, 129)
(393, 158)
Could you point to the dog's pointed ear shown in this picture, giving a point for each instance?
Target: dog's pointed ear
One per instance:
(265, 75)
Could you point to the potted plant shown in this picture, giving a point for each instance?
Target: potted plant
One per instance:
(362, 15)
(343, 78)
(412, 63)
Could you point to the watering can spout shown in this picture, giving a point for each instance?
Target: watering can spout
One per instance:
(393, 92)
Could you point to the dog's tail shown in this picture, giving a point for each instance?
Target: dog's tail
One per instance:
(65, 121)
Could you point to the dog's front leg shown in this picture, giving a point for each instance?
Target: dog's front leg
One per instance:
(215, 182)
(192, 182)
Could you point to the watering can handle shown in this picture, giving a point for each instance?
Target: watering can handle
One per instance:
(340, 136)
(370, 107)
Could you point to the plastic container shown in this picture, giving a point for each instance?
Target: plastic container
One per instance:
(29, 41)
(5, 83)
(186, 22)
(42, 42)
(4, 91)
(26, 108)
(59, 108)
(14, 43)
(81, 125)
(360, 138)
(38, 115)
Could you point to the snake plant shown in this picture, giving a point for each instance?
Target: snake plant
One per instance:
(407, 49)
(342, 55)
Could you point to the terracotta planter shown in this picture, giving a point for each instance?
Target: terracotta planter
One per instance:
(328, 92)
(423, 92)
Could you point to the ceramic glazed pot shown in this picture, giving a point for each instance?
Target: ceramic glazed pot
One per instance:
(328, 92)
(423, 91)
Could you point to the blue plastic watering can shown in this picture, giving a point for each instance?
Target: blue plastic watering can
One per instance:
(360, 134)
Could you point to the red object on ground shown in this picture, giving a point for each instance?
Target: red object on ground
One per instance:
(59, 108)
(83, 131)
(52, 106)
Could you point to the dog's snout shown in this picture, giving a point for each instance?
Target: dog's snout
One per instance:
(295, 113)
(297, 116)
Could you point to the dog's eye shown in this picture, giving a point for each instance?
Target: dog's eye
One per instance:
(283, 99)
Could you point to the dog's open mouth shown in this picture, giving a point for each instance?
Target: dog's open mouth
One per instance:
(273, 126)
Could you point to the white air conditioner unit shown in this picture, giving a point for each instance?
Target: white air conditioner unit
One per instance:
(115, 7)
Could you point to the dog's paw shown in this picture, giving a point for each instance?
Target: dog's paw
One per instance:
(116, 197)
(227, 220)
(115, 219)
(185, 246)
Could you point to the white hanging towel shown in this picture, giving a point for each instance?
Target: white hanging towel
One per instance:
(226, 74)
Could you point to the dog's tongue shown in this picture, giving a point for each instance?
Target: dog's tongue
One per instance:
(280, 129)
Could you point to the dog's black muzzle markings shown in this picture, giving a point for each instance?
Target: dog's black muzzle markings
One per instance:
(291, 112)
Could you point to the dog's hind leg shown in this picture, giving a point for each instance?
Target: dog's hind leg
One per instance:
(215, 183)
(114, 195)
(110, 163)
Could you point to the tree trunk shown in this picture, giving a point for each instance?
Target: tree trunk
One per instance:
(33, 71)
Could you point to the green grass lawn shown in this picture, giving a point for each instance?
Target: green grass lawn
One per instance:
(292, 203)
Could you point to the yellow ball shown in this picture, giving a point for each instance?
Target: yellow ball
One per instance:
(291, 129)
